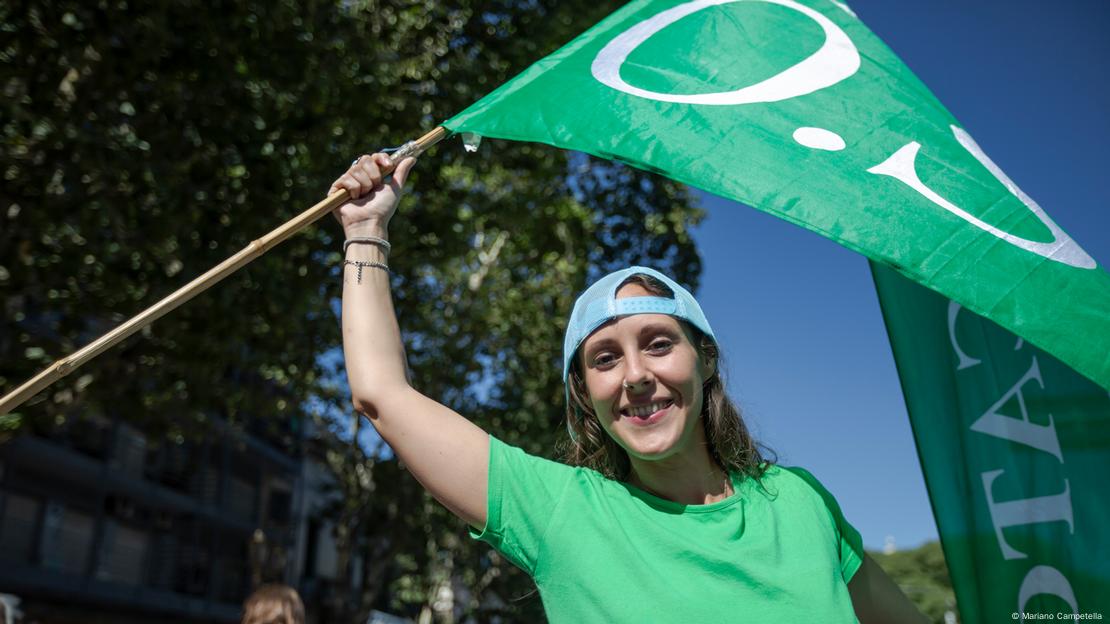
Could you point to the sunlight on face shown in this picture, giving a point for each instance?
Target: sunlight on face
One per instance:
(636, 364)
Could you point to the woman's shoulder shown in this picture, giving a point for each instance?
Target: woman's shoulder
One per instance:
(796, 488)
(774, 479)
(503, 451)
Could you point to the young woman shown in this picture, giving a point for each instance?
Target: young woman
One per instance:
(668, 512)
(273, 604)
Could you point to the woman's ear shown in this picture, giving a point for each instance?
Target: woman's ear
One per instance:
(709, 366)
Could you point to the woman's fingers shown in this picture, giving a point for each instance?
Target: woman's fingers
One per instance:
(382, 161)
(366, 183)
(365, 175)
(368, 172)
(347, 183)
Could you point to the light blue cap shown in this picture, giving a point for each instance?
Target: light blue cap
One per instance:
(599, 304)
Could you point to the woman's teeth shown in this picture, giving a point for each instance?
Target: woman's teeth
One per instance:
(647, 410)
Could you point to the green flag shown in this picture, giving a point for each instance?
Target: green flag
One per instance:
(1015, 448)
(797, 109)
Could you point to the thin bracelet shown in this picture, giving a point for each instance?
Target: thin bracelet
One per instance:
(373, 240)
(363, 263)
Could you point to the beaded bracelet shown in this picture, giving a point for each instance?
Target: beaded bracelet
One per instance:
(362, 263)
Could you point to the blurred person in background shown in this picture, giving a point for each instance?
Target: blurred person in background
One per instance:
(273, 604)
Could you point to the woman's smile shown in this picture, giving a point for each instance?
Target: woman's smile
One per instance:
(643, 415)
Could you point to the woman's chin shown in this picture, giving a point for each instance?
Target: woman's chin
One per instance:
(656, 441)
(650, 445)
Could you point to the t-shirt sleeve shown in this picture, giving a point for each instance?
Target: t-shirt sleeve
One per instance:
(851, 542)
(523, 493)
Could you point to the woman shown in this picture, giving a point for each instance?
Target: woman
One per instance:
(273, 604)
(669, 514)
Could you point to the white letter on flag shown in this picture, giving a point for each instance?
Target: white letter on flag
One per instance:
(1025, 511)
(1044, 579)
(834, 61)
(902, 166)
(1040, 437)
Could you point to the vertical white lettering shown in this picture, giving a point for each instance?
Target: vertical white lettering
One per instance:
(1025, 511)
(966, 361)
(1042, 437)
(1044, 579)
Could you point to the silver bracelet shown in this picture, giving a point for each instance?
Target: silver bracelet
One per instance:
(373, 240)
(362, 263)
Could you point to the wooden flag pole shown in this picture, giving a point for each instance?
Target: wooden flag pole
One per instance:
(68, 364)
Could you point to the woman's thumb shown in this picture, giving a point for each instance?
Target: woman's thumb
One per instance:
(401, 173)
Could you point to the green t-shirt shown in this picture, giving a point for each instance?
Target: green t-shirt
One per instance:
(605, 551)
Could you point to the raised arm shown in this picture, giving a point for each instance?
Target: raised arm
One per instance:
(446, 453)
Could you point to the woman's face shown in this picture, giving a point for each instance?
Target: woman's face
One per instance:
(644, 377)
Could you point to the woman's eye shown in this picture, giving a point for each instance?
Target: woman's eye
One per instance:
(603, 360)
(660, 345)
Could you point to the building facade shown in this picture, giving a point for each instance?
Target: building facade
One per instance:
(98, 523)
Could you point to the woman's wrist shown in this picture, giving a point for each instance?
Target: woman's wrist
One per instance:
(376, 229)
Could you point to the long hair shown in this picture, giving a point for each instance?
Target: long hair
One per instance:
(273, 604)
(730, 444)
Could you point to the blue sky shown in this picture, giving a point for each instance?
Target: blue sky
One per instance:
(807, 352)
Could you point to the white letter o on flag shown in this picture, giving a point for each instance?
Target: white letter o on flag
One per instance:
(836, 60)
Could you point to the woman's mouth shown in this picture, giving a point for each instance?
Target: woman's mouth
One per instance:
(647, 414)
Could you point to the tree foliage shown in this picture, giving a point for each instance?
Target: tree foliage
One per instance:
(922, 574)
(142, 143)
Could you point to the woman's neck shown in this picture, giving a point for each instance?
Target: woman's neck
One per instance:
(681, 481)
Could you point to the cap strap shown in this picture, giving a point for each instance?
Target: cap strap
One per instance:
(644, 305)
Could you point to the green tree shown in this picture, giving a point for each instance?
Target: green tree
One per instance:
(142, 143)
(922, 573)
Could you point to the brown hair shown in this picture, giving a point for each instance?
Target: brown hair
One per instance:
(730, 445)
(273, 604)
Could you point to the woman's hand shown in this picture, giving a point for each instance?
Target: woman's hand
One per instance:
(374, 201)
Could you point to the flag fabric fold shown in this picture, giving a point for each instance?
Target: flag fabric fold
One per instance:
(1015, 449)
(797, 109)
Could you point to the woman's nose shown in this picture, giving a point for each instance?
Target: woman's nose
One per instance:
(637, 387)
(637, 377)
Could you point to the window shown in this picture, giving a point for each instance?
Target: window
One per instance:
(18, 528)
(122, 554)
(66, 539)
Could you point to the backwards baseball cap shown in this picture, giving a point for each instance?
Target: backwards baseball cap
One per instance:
(599, 304)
